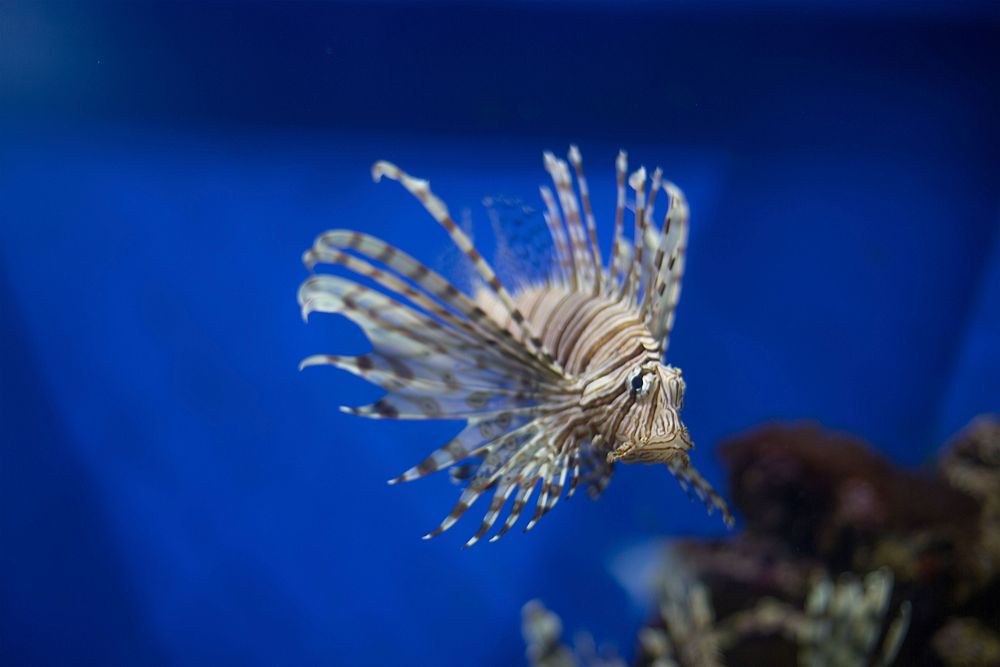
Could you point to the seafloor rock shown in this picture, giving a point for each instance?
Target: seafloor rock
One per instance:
(817, 508)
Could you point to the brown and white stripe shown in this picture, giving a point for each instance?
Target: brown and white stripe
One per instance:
(557, 380)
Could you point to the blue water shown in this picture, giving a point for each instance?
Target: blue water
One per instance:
(174, 491)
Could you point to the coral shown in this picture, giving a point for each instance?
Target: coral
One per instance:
(542, 630)
(819, 507)
(972, 464)
(839, 626)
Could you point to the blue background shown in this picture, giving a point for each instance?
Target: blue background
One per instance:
(174, 491)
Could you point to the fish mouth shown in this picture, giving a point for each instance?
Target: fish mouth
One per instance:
(655, 450)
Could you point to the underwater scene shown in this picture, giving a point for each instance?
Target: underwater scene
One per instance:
(550, 333)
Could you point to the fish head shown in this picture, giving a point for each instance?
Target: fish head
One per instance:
(651, 430)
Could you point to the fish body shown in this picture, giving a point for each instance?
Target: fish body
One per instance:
(557, 379)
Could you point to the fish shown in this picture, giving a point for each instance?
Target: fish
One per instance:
(557, 378)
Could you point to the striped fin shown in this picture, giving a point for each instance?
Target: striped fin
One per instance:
(520, 501)
(596, 471)
(536, 473)
(653, 260)
(470, 494)
(394, 370)
(390, 282)
(564, 254)
(415, 376)
(689, 477)
(406, 404)
(552, 488)
(517, 462)
(562, 466)
(461, 326)
(506, 461)
(383, 319)
(466, 444)
(421, 190)
(422, 406)
(668, 266)
(394, 329)
(575, 476)
(582, 258)
(500, 497)
(577, 161)
(429, 281)
(514, 468)
(545, 477)
(618, 261)
(412, 355)
(630, 287)
(654, 189)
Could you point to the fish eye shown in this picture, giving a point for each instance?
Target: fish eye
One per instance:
(639, 383)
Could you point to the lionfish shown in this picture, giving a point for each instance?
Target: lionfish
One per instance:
(560, 377)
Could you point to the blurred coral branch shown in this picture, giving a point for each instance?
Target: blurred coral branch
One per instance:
(819, 507)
